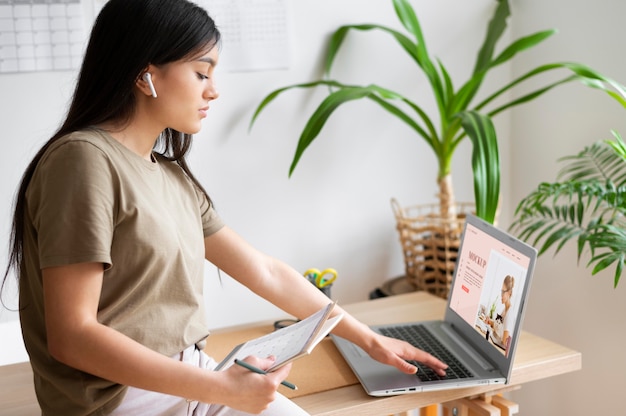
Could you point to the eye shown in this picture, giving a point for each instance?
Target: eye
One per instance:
(202, 76)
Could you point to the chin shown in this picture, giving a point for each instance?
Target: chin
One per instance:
(189, 130)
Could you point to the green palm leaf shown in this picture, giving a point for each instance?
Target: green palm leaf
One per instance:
(588, 205)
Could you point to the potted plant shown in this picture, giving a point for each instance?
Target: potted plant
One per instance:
(458, 117)
(586, 204)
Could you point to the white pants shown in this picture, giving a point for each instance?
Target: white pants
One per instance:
(139, 402)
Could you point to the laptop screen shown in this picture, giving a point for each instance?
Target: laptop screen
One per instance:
(488, 288)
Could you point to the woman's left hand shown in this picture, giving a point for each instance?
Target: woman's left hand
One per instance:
(395, 352)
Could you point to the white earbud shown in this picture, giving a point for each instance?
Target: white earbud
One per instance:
(148, 78)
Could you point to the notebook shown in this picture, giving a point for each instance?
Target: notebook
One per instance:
(478, 332)
(289, 343)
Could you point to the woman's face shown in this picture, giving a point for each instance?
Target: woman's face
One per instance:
(506, 294)
(184, 89)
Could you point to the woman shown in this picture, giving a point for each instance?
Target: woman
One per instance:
(111, 231)
(502, 324)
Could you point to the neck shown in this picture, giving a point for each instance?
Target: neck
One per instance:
(137, 136)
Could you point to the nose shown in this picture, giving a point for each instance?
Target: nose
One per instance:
(210, 92)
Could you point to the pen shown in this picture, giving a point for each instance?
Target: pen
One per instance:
(259, 371)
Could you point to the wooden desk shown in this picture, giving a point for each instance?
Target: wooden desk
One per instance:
(536, 358)
(326, 385)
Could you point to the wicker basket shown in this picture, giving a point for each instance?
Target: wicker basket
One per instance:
(430, 244)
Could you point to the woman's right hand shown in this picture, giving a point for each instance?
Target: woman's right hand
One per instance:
(251, 392)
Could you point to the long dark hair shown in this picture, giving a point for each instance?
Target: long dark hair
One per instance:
(127, 36)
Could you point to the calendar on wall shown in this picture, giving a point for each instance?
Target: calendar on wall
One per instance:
(41, 35)
(50, 35)
(256, 33)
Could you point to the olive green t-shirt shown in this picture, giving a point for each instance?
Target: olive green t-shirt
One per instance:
(91, 199)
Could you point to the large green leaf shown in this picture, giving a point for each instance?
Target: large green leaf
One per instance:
(468, 91)
(579, 72)
(496, 27)
(409, 20)
(320, 116)
(485, 163)
(274, 94)
(522, 44)
(379, 95)
(340, 34)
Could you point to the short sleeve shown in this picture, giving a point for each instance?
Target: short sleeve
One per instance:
(211, 221)
(71, 203)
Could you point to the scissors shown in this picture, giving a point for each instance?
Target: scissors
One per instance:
(322, 278)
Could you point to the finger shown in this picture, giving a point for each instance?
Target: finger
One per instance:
(282, 373)
(274, 376)
(261, 363)
(406, 367)
(427, 359)
(437, 365)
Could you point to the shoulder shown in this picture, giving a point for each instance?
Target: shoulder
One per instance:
(84, 145)
(90, 139)
(79, 157)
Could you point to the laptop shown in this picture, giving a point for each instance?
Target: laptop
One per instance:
(478, 336)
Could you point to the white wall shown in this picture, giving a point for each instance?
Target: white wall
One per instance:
(335, 210)
(567, 305)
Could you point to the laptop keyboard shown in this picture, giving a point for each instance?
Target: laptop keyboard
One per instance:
(420, 337)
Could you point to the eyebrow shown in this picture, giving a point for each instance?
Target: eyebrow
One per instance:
(209, 61)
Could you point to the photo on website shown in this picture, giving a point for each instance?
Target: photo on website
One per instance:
(487, 291)
(499, 301)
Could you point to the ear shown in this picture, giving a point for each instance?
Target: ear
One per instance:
(145, 83)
